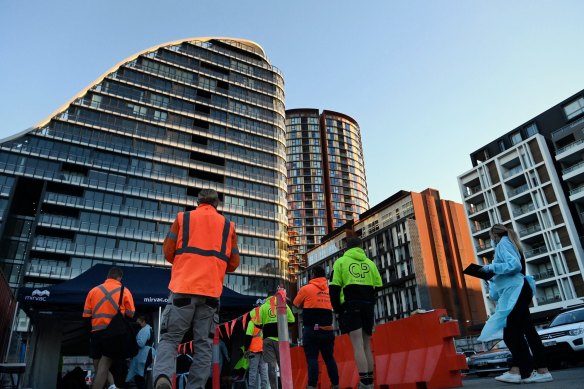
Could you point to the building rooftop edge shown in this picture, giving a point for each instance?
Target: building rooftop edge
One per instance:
(118, 65)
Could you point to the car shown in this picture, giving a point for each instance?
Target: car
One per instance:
(563, 339)
(496, 359)
(467, 354)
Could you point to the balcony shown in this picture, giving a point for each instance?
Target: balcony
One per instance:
(549, 300)
(535, 252)
(524, 209)
(472, 191)
(515, 191)
(544, 275)
(530, 230)
(479, 226)
(512, 172)
(486, 245)
(558, 134)
(570, 146)
(476, 208)
(572, 168)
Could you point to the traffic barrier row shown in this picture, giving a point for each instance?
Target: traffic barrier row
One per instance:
(416, 352)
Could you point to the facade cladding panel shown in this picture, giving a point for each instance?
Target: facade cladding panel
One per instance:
(420, 245)
(326, 177)
(101, 180)
(531, 180)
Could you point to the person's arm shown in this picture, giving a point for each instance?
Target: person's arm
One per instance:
(290, 315)
(234, 257)
(248, 335)
(88, 307)
(335, 286)
(300, 297)
(507, 259)
(128, 303)
(143, 336)
(169, 245)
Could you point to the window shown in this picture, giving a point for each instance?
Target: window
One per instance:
(575, 108)
(501, 145)
(531, 129)
(516, 138)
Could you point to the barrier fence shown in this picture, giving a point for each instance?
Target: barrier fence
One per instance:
(409, 353)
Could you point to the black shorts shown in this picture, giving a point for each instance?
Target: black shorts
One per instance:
(96, 345)
(356, 316)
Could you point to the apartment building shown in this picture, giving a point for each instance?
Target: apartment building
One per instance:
(102, 179)
(420, 244)
(326, 177)
(531, 179)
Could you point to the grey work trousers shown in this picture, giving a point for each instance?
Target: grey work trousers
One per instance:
(257, 366)
(183, 312)
(271, 355)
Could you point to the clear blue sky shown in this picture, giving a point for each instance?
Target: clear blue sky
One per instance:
(429, 82)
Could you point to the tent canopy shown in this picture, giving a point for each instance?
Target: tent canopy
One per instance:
(149, 287)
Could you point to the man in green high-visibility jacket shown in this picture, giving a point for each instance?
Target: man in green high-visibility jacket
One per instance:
(268, 322)
(353, 292)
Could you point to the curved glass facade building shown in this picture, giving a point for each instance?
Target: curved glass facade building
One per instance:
(326, 176)
(101, 179)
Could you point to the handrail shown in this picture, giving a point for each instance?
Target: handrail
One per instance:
(513, 171)
(524, 209)
(573, 167)
(536, 251)
(520, 189)
(557, 133)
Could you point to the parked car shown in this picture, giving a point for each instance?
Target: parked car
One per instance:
(467, 354)
(496, 359)
(564, 337)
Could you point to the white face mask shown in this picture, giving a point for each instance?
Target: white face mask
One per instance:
(493, 243)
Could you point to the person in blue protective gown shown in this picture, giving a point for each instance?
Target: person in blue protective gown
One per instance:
(512, 290)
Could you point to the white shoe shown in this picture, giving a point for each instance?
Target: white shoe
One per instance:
(509, 378)
(538, 377)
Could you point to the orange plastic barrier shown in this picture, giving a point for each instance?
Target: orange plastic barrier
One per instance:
(409, 353)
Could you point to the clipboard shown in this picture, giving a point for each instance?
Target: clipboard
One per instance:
(473, 270)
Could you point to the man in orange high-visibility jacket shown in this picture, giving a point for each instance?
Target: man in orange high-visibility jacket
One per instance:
(101, 305)
(317, 326)
(202, 247)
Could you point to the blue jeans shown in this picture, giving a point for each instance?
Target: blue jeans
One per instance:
(323, 342)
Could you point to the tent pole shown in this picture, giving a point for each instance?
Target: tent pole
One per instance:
(159, 318)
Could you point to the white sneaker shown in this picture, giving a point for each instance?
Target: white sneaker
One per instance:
(509, 378)
(538, 377)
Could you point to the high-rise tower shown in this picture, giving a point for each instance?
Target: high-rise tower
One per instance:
(101, 179)
(326, 176)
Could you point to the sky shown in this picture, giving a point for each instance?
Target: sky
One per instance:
(429, 82)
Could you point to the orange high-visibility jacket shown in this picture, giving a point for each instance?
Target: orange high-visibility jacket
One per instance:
(202, 247)
(315, 300)
(101, 304)
(257, 343)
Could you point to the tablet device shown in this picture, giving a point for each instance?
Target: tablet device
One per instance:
(474, 270)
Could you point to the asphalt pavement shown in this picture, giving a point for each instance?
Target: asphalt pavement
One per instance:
(572, 378)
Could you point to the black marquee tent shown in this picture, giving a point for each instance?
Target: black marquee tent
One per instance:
(58, 328)
(149, 287)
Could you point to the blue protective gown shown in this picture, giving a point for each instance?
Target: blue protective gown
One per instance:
(138, 363)
(504, 287)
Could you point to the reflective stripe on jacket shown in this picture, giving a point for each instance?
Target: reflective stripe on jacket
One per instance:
(101, 304)
(202, 247)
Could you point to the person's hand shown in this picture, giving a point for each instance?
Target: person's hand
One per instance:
(484, 269)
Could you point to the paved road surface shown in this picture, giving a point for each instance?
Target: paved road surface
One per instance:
(563, 379)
